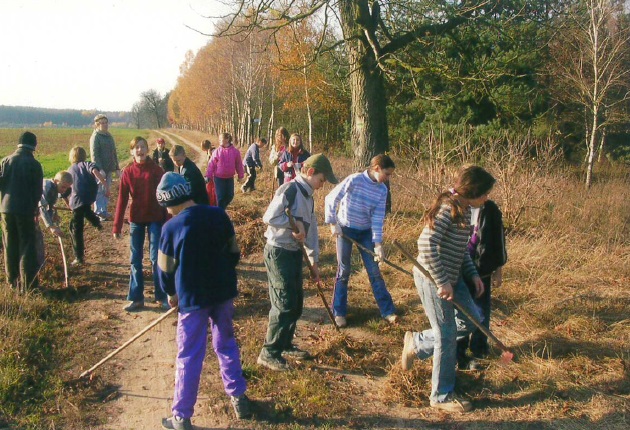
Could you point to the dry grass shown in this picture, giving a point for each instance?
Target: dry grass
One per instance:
(563, 309)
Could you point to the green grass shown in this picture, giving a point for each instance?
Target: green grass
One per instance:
(54, 144)
(31, 327)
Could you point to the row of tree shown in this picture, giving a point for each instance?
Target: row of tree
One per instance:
(345, 71)
(150, 111)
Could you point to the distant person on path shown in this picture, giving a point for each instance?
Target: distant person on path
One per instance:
(103, 154)
(356, 209)
(443, 253)
(487, 250)
(189, 170)
(292, 158)
(21, 179)
(283, 258)
(85, 175)
(197, 269)
(251, 162)
(281, 141)
(161, 157)
(52, 188)
(224, 164)
(207, 148)
(139, 180)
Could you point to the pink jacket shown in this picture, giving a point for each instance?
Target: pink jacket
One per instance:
(224, 163)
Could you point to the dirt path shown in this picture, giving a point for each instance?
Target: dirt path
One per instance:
(143, 374)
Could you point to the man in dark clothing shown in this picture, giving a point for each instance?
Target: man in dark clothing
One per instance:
(21, 179)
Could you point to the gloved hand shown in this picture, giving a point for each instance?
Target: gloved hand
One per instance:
(335, 230)
(378, 250)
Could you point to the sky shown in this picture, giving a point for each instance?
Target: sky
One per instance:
(96, 54)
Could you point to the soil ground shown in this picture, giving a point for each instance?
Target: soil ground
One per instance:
(354, 380)
(140, 378)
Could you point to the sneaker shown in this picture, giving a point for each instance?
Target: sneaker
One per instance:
(134, 306)
(177, 423)
(472, 365)
(408, 352)
(105, 217)
(341, 321)
(278, 364)
(453, 404)
(392, 319)
(76, 262)
(295, 352)
(163, 305)
(241, 406)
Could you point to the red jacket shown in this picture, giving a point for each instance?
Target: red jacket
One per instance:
(139, 181)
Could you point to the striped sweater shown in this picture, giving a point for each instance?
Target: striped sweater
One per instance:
(358, 202)
(442, 250)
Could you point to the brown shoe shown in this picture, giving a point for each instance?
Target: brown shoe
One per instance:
(408, 352)
(453, 404)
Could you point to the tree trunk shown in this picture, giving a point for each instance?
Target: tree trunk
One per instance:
(591, 151)
(369, 135)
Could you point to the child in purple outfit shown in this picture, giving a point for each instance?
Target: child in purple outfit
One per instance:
(197, 269)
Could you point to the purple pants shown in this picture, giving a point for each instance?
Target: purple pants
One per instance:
(192, 340)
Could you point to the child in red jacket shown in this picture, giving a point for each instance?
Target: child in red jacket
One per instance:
(139, 180)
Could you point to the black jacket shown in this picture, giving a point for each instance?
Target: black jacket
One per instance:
(21, 178)
(491, 252)
(163, 159)
(193, 175)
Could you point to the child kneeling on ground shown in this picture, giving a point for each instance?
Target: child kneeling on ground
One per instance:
(197, 269)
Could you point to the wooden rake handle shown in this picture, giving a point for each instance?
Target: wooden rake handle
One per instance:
(483, 329)
(129, 342)
(320, 292)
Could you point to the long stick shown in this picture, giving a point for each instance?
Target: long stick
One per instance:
(507, 354)
(369, 251)
(129, 342)
(320, 292)
(65, 262)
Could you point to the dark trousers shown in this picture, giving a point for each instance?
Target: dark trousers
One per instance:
(224, 187)
(279, 176)
(77, 224)
(250, 184)
(20, 256)
(477, 341)
(284, 272)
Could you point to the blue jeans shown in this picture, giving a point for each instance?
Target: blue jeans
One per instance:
(447, 326)
(100, 205)
(344, 266)
(225, 191)
(136, 279)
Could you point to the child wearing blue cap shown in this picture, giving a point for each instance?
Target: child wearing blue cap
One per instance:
(197, 262)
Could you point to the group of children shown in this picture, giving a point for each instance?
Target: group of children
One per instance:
(199, 275)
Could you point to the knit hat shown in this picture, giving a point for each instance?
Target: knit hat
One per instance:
(99, 117)
(172, 190)
(320, 163)
(160, 140)
(28, 139)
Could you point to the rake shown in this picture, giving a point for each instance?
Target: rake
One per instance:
(507, 356)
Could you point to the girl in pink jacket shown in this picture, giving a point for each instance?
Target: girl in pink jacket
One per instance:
(224, 163)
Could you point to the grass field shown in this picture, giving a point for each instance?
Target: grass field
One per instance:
(54, 144)
(563, 309)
